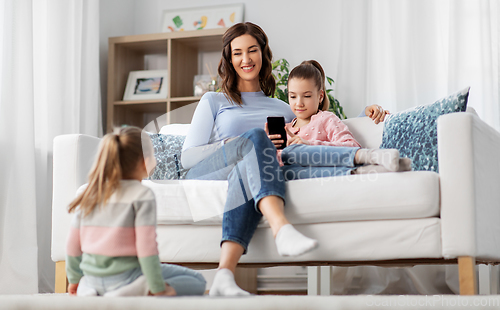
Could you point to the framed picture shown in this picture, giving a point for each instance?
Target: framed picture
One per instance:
(209, 17)
(147, 84)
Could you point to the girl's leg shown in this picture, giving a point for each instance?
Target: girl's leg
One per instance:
(319, 155)
(298, 172)
(183, 280)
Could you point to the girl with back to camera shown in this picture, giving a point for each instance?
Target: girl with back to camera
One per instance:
(227, 141)
(319, 144)
(112, 239)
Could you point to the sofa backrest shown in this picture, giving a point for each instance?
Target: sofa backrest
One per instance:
(364, 130)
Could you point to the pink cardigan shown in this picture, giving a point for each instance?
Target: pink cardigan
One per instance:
(325, 128)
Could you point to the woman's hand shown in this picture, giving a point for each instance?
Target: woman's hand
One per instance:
(276, 139)
(295, 139)
(72, 287)
(376, 113)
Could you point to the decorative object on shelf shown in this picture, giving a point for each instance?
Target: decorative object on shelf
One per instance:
(281, 70)
(201, 84)
(205, 83)
(198, 18)
(146, 84)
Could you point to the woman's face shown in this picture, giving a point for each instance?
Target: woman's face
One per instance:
(246, 57)
(304, 97)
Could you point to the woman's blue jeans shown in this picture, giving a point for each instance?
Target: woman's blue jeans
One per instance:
(317, 161)
(249, 164)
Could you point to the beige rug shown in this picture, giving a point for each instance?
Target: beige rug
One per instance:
(62, 301)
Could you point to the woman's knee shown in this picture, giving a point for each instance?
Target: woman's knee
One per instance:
(258, 137)
(257, 133)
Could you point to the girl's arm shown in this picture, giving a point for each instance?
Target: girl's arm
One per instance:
(145, 242)
(196, 147)
(74, 255)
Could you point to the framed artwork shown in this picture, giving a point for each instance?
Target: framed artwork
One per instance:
(209, 17)
(146, 84)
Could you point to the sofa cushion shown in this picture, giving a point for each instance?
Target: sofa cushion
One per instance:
(414, 131)
(382, 196)
(167, 149)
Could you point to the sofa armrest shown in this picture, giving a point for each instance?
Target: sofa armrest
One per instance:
(72, 161)
(469, 172)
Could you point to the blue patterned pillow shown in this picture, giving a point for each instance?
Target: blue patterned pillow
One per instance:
(167, 150)
(414, 131)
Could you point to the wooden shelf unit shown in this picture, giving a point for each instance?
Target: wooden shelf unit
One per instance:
(127, 54)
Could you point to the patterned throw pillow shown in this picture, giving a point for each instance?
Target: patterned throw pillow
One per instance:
(167, 150)
(414, 131)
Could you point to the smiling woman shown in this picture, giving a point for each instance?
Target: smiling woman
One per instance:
(227, 141)
(246, 62)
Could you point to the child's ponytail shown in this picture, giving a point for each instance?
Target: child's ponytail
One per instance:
(311, 69)
(119, 154)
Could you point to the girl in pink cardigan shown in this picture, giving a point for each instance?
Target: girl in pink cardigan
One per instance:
(319, 144)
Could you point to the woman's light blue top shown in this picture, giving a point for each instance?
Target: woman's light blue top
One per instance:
(216, 119)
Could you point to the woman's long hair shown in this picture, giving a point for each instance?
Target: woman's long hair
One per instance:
(118, 157)
(229, 85)
(311, 69)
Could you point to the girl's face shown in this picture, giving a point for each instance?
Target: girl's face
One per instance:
(304, 97)
(246, 57)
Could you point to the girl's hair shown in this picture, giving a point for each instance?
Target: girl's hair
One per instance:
(311, 69)
(118, 156)
(226, 70)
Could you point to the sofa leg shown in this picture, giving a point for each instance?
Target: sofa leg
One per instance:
(313, 280)
(467, 275)
(326, 280)
(61, 280)
(246, 278)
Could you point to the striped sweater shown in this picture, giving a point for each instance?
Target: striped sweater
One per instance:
(117, 237)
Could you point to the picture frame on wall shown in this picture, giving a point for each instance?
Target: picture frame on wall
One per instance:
(146, 84)
(210, 17)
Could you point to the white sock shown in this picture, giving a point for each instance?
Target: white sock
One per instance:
(290, 242)
(367, 169)
(389, 158)
(404, 164)
(224, 285)
(139, 287)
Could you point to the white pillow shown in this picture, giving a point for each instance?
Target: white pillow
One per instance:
(175, 129)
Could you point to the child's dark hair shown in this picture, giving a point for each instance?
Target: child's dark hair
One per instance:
(119, 154)
(311, 69)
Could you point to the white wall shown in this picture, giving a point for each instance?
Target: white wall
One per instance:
(297, 30)
(116, 18)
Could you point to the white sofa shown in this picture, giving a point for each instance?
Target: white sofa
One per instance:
(391, 219)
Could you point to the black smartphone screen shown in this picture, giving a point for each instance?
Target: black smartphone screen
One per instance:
(276, 126)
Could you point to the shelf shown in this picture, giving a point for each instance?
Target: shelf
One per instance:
(173, 100)
(180, 99)
(182, 49)
(135, 102)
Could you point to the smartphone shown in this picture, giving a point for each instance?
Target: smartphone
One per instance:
(276, 126)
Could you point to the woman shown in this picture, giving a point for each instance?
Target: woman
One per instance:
(226, 140)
